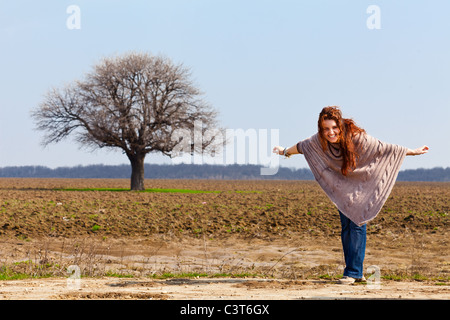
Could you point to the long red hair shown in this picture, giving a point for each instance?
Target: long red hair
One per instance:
(348, 129)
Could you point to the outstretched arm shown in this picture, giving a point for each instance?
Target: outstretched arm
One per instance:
(417, 151)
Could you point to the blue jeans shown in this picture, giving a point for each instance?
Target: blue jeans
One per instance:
(354, 244)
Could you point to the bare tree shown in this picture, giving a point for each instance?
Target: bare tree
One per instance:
(136, 102)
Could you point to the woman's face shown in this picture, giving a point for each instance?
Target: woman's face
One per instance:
(330, 131)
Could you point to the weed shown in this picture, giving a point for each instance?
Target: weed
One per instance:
(118, 275)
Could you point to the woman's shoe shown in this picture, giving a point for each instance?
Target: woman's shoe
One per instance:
(346, 280)
(350, 280)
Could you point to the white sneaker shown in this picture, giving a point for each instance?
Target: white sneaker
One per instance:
(350, 280)
(346, 280)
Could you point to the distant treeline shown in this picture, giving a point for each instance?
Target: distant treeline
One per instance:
(156, 171)
(192, 171)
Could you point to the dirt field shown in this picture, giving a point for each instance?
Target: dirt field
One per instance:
(241, 240)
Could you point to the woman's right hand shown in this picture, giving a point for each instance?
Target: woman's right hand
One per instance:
(278, 150)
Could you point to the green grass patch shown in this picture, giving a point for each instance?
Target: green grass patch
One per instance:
(146, 190)
(10, 275)
(118, 275)
(196, 275)
(153, 190)
(7, 273)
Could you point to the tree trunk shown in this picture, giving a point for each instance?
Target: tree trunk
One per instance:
(137, 172)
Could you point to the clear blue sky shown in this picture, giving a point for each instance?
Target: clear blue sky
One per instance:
(263, 64)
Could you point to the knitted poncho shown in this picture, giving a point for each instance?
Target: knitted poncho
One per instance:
(362, 193)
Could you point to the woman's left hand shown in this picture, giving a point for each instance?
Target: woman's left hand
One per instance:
(418, 151)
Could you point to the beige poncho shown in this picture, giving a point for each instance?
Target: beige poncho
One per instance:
(362, 193)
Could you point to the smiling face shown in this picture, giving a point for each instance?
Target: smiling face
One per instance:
(330, 131)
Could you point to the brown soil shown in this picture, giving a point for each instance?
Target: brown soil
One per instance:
(248, 240)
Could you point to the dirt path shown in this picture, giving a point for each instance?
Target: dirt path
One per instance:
(212, 289)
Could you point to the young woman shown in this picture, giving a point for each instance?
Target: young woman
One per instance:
(357, 172)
